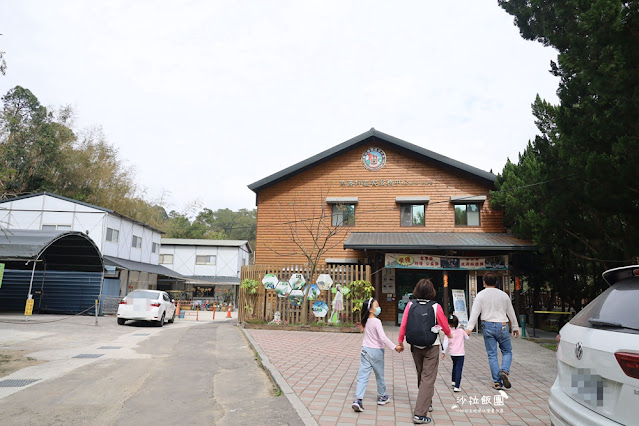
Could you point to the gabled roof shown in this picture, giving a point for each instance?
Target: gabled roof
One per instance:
(203, 242)
(368, 137)
(82, 203)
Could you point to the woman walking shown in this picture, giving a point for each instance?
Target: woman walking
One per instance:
(422, 320)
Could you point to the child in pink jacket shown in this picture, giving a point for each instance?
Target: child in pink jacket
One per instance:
(455, 347)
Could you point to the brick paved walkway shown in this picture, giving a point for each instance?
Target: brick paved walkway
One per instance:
(321, 368)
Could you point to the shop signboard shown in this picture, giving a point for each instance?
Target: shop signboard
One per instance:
(424, 261)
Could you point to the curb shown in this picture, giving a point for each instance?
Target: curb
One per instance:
(299, 406)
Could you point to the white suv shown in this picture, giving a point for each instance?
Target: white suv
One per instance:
(598, 358)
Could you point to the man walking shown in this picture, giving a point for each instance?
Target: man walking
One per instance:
(496, 309)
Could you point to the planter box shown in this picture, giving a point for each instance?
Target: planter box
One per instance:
(326, 329)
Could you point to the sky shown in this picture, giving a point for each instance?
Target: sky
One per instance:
(203, 98)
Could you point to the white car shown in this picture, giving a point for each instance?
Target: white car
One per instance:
(598, 358)
(146, 305)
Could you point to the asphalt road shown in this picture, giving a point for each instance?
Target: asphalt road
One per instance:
(180, 374)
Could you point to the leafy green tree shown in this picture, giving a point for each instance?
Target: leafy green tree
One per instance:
(32, 143)
(239, 225)
(583, 216)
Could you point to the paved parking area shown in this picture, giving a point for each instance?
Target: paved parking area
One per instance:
(321, 369)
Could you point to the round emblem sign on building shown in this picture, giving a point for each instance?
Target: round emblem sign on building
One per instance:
(373, 159)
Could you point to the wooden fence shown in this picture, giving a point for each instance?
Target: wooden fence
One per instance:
(266, 302)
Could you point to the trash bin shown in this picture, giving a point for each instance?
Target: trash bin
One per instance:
(522, 321)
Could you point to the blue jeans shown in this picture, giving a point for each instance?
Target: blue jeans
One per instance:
(370, 359)
(458, 367)
(497, 333)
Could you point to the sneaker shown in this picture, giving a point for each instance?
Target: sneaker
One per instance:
(497, 386)
(421, 420)
(504, 378)
(452, 383)
(430, 409)
(358, 406)
(384, 399)
(456, 390)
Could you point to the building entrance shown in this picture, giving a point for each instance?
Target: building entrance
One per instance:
(405, 280)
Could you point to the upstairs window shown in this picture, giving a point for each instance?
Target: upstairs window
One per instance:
(205, 260)
(412, 215)
(155, 247)
(136, 242)
(56, 227)
(166, 259)
(113, 235)
(343, 215)
(467, 214)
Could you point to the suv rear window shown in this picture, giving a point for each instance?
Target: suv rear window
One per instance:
(614, 309)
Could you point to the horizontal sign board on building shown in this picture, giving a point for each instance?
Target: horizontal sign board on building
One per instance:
(384, 182)
(423, 261)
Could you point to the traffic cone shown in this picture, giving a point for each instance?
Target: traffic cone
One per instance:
(214, 307)
(177, 310)
(228, 313)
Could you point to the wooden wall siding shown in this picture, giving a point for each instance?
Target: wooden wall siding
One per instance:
(376, 210)
(267, 302)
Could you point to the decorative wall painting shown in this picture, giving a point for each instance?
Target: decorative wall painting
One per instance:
(313, 292)
(283, 289)
(296, 298)
(320, 309)
(297, 281)
(324, 281)
(270, 281)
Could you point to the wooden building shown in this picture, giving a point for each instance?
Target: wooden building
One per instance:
(408, 212)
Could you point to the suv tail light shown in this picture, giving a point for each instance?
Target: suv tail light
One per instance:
(155, 304)
(629, 363)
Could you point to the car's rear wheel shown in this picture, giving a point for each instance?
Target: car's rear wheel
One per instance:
(172, 318)
(161, 322)
(121, 321)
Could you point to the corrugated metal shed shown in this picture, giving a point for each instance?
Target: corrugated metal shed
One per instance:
(65, 249)
(67, 270)
(436, 240)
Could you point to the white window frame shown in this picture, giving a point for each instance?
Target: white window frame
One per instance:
(211, 259)
(114, 232)
(163, 259)
(56, 227)
(133, 242)
(155, 247)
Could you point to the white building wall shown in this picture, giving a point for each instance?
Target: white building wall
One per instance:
(34, 212)
(228, 260)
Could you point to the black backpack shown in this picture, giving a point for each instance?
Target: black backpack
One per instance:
(421, 318)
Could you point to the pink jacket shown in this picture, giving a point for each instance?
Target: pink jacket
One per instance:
(440, 317)
(455, 345)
